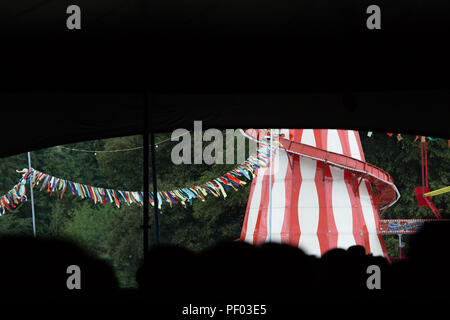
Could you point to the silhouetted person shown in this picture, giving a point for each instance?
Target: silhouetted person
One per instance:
(38, 268)
(241, 270)
(426, 273)
(168, 271)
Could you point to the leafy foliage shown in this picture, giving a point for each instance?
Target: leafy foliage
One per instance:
(116, 235)
(402, 160)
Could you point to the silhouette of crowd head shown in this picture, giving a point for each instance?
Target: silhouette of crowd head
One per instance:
(39, 268)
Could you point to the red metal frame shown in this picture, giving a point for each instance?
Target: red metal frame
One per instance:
(432, 207)
(420, 191)
(386, 193)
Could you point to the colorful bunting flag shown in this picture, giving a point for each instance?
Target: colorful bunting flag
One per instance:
(399, 137)
(216, 187)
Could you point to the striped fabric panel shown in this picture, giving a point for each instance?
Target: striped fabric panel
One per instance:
(314, 206)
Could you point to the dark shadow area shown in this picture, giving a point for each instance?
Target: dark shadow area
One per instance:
(275, 271)
(38, 268)
(426, 272)
(270, 271)
(33, 268)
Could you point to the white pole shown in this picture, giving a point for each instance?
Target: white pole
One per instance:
(32, 197)
(269, 218)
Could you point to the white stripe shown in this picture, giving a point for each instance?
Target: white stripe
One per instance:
(333, 141)
(354, 148)
(342, 210)
(308, 208)
(308, 137)
(291, 133)
(281, 163)
(369, 218)
(286, 133)
(254, 205)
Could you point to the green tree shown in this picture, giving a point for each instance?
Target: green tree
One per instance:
(91, 226)
(116, 234)
(402, 160)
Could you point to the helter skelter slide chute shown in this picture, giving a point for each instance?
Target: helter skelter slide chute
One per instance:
(318, 193)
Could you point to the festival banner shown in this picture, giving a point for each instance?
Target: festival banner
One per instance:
(217, 187)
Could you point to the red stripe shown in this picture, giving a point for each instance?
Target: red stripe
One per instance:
(322, 229)
(321, 135)
(292, 194)
(296, 135)
(234, 179)
(90, 192)
(377, 221)
(247, 211)
(290, 232)
(327, 231)
(343, 137)
(103, 196)
(426, 165)
(358, 141)
(363, 223)
(260, 233)
(359, 225)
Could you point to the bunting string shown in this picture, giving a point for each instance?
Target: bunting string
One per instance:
(217, 187)
(122, 150)
(400, 138)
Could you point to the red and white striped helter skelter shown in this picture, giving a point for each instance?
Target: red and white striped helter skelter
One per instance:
(317, 192)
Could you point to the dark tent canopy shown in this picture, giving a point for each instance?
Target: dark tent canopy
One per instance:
(229, 63)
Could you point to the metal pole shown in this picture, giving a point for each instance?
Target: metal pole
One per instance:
(148, 131)
(269, 218)
(32, 197)
(155, 187)
(145, 225)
